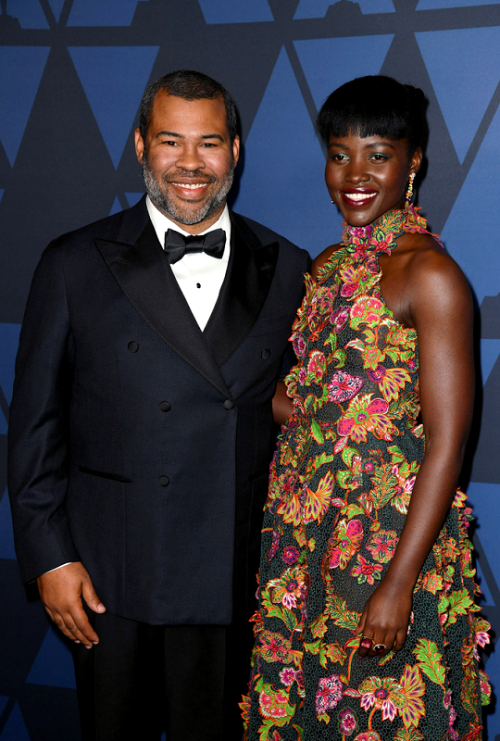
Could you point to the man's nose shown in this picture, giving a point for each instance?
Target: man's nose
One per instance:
(190, 158)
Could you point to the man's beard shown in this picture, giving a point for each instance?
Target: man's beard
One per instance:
(187, 215)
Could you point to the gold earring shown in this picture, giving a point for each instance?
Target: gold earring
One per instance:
(409, 192)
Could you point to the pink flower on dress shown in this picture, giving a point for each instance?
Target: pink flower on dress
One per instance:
(328, 694)
(275, 703)
(367, 310)
(453, 716)
(339, 318)
(275, 544)
(377, 375)
(348, 540)
(447, 699)
(275, 647)
(366, 415)
(343, 387)
(366, 571)
(317, 365)
(290, 554)
(382, 545)
(369, 465)
(290, 589)
(348, 722)
(368, 736)
(288, 676)
(299, 345)
(383, 693)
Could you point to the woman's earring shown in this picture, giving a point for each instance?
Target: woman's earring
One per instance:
(409, 192)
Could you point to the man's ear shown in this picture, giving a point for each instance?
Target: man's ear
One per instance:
(139, 145)
(236, 149)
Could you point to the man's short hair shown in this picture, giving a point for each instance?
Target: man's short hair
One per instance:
(189, 85)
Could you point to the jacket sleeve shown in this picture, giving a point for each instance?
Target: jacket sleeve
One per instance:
(38, 424)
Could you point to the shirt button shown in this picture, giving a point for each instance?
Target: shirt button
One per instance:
(228, 404)
(165, 406)
(133, 346)
(265, 354)
(164, 480)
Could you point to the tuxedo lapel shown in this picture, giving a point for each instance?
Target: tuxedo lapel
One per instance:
(143, 273)
(244, 291)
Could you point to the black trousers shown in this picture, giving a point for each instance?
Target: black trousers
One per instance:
(142, 679)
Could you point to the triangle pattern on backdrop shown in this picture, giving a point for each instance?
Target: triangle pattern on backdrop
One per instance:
(480, 578)
(102, 12)
(53, 665)
(236, 11)
(484, 499)
(328, 63)
(440, 4)
(117, 206)
(319, 8)
(9, 340)
(133, 198)
(475, 248)
(25, 63)
(302, 213)
(490, 351)
(7, 549)
(452, 59)
(15, 728)
(29, 13)
(56, 6)
(114, 78)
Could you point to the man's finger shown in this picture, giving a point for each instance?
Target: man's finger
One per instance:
(91, 598)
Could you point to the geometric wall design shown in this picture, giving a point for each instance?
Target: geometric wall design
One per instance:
(72, 74)
(319, 8)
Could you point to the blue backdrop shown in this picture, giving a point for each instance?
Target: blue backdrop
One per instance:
(71, 76)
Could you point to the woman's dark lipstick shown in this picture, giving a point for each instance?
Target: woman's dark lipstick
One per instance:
(358, 197)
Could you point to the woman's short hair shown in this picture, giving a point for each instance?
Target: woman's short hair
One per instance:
(375, 105)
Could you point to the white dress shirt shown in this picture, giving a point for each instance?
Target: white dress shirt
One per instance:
(199, 275)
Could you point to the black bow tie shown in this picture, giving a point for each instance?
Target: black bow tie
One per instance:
(177, 245)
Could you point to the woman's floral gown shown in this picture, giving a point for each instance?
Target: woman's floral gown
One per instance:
(340, 486)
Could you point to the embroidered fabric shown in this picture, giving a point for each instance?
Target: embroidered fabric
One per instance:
(340, 485)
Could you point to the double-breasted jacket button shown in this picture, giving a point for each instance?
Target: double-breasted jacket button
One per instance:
(265, 353)
(228, 404)
(164, 480)
(165, 406)
(133, 346)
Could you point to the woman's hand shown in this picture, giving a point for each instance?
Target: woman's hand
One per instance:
(282, 404)
(385, 618)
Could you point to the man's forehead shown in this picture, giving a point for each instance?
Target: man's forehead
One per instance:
(172, 113)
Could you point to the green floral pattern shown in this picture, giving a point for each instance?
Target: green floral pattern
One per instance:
(340, 485)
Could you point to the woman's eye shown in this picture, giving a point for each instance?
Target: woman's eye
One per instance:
(339, 157)
(379, 157)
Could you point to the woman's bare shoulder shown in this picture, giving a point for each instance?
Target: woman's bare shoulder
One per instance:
(323, 257)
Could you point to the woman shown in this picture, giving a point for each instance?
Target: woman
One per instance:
(367, 627)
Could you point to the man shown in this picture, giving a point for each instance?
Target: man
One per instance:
(141, 429)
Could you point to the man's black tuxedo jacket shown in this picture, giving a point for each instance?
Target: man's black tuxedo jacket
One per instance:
(139, 444)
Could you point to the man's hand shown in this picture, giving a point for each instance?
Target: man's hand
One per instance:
(61, 592)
